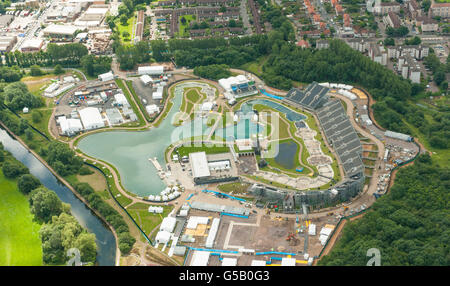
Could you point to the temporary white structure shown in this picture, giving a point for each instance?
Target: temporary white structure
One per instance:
(212, 233)
(106, 76)
(168, 224)
(207, 106)
(69, 126)
(120, 99)
(258, 263)
(286, 261)
(91, 118)
(25, 110)
(196, 220)
(199, 165)
(146, 79)
(312, 229)
(200, 258)
(227, 261)
(158, 94)
(151, 70)
(163, 237)
(326, 231)
(153, 108)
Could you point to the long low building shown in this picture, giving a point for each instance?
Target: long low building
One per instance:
(151, 70)
(61, 31)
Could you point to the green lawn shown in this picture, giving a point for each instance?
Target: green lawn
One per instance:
(208, 148)
(19, 235)
(128, 28)
(182, 28)
(147, 221)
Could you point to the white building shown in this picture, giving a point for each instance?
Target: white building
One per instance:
(258, 263)
(158, 94)
(120, 99)
(199, 165)
(168, 224)
(200, 258)
(69, 126)
(91, 118)
(151, 109)
(228, 261)
(286, 261)
(151, 70)
(106, 76)
(207, 106)
(163, 237)
(146, 79)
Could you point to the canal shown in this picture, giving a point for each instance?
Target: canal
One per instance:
(106, 244)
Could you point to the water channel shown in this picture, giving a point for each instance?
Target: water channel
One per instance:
(106, 244)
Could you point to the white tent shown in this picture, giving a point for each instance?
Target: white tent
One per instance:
(69, 126)
(151, 70)
(285, 261)
(163, 237)
(227, 261)
(146, 79)
(120, 99)
(91, 118)
(200, 258)
(168, 224)
(106, 76)
(207, 106)
(158, 94)
(153, 108)
(312, 229)
(258, 263)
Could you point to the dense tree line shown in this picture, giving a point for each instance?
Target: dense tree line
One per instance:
(214, 72)
(66, 55)
(410, 225)
(95, 65)
(63, 159)
(16, 96)
(126, 241)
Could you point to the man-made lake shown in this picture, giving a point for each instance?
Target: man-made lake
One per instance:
(106, 244)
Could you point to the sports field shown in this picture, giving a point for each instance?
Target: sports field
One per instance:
(19, 235)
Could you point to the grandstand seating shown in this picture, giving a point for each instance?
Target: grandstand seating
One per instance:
(313, 97)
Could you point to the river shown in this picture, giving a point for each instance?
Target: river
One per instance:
(106, 244)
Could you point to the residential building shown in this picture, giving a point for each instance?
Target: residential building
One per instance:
(382, 8)
(392, 20)
(358, 44)
(416, 51)
(322, 44)
(378, 54)
(439, 10)
(427, 24)
(409, 68)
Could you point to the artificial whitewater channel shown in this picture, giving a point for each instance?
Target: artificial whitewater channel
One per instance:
(129, 151)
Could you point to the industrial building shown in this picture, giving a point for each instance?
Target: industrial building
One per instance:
(7, 43)
(158, 94)
(61, 32)
(32, 45)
